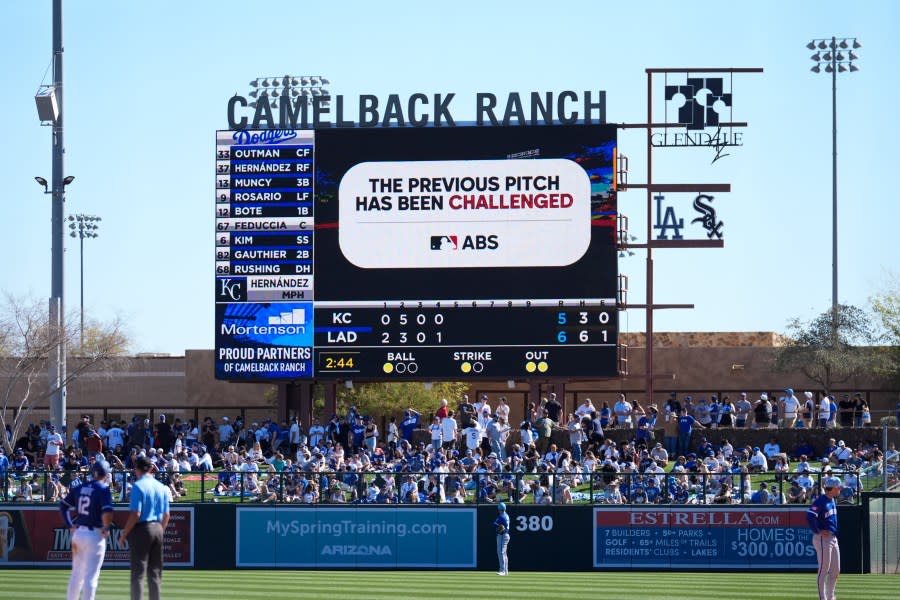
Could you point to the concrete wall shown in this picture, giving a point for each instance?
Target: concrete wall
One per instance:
(695, 363)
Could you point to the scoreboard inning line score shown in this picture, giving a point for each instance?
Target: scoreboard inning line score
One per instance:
(420, 254)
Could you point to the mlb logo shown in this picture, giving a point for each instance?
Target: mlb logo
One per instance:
(443, 242)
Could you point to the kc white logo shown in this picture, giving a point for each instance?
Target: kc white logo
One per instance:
(231, 288)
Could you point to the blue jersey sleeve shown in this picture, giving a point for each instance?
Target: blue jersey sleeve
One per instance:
(502, 519)
(814, 515)
(66, 504)
(106, 501)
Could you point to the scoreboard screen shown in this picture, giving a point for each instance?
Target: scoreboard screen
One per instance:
(420, 253)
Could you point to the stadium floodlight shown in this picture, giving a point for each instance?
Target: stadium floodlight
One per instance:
(835, 62)
(290, 86)
(811, 45)
(83, 226)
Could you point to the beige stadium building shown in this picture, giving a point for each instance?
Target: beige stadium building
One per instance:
(699, 364)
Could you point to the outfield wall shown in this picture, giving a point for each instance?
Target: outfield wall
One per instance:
(543, 538)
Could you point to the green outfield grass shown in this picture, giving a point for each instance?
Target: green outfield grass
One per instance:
(464, 585)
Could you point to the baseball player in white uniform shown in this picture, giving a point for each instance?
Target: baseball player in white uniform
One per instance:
(92, 503)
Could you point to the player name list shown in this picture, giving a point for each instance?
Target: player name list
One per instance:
(265, 218)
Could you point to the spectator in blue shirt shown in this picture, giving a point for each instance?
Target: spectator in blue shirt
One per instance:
(686, 424)
(409, 423)
(358, 430)
(4, 469)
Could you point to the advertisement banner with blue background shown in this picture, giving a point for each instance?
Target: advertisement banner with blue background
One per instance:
(356, 537)
(703, 537)
(257, 340)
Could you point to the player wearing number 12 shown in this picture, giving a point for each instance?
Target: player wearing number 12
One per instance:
(92, 502)
(501, 526)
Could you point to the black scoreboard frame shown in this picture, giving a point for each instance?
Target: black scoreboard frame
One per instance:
(434, 324)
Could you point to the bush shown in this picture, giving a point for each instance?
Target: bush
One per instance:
(889, 421)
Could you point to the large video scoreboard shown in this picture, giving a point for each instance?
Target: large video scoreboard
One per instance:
(422, 253)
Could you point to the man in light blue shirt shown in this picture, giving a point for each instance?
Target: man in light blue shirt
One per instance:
(148, 518)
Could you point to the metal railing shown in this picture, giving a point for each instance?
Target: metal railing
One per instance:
(370, 487)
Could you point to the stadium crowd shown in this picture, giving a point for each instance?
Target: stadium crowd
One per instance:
(469, 454)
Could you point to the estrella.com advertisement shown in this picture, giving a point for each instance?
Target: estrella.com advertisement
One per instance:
(703, 538)
(356, 537)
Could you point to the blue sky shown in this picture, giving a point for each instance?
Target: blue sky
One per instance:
(146, 86)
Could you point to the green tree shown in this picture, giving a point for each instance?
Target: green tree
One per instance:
(384, 399)
(886, 306)
(828, 359)
(26, 342)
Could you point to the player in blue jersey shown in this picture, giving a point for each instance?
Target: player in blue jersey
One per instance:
(823, 521)
(501, 525)
(92, 503)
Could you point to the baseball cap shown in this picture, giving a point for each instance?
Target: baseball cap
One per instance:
(756, 448)
(808, 394)
(764, 396)
(841, 443)
(100, 469)
(831, 482)
(502, 506)
(788, 391)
